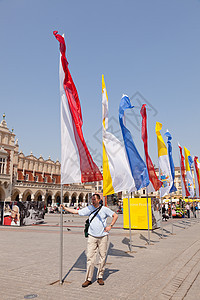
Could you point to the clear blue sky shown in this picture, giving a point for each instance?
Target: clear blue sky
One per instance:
(146, 46)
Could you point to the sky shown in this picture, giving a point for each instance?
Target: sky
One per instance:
(147, 49)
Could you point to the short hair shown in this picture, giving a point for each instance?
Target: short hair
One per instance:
(16, 207)
(98, 196)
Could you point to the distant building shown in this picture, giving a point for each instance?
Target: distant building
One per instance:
(27, 178)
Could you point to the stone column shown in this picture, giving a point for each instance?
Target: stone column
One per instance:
(53, 200)
(84, 204)
(70, 200)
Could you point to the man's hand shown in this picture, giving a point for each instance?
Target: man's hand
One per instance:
(62, 206)
(108, 228)
(70, 210)
(115, 217)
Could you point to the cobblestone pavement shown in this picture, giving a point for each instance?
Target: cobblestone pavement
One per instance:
(168, 268)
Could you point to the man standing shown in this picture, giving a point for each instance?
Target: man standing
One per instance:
(98, 236)
(188, 210)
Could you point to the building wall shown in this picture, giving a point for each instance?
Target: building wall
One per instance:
(30, 178)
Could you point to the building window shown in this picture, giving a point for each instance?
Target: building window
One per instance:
(45, 179)
(36, 178)
(54, 180)
(143, 192)
(26, 177)
(2, 165)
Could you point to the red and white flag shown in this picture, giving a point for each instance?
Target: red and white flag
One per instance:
(185, 192)
(77, 164)
(151, 171)
(197, 175)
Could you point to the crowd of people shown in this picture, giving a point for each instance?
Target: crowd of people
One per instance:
(180, 209)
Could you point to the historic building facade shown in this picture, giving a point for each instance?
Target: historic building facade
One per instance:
(27, 178)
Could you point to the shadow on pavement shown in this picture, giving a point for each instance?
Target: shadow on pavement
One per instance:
(80, 265)
(116, 252)
(126, 241)
(167, 231)
(142, 237)
(178, 226)
(159, 234)
(109, 272)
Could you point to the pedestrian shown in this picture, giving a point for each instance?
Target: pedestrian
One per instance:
(188, 210)
(195, 209)
(164, 216)
(98, 236)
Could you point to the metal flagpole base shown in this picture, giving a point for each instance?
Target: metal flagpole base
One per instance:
(132, 251)
(149, 244)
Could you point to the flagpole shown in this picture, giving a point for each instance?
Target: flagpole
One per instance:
(183, 206)
(129, 212)
(161, 218)
(161, 223)
(193, 208)
(172, 216)
(148, 216)
(161, 206)
(61, 238)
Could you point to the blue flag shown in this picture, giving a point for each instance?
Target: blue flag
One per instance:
(190, 161)
(169, 138)
(137, 165)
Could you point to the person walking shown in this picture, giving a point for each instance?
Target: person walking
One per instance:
(188, 210)
(98, 235)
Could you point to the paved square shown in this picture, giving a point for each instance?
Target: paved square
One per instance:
(169, 268)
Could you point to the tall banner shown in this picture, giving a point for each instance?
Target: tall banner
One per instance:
(185, 192)
(77, 164)
(197, 175)
(156, 183)
(164, 165)
(169, 138)
(188, 164)
(117, 175)
(137, 165)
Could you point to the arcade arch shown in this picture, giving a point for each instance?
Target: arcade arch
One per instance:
(73, 200)
(27, 195)
(39, 195)
(2, 194)
(81, 198)
(66, 197)
(57, 198)
(15, 195)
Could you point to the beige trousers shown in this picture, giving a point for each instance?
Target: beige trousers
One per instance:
(95, 244)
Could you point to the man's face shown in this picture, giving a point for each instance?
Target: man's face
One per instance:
(14, 212)
(95, 201)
